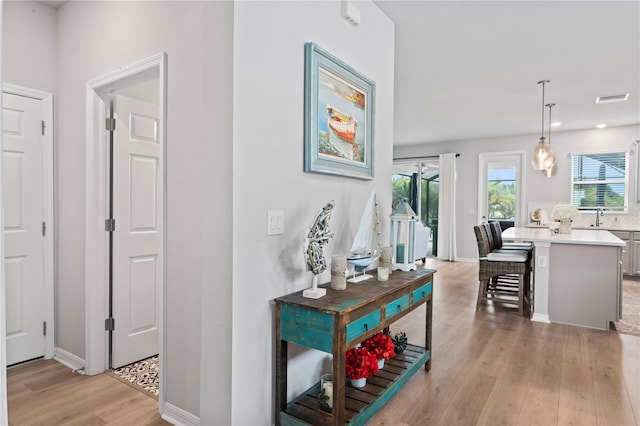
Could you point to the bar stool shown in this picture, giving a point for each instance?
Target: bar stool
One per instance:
(495, 264)
(494, 230)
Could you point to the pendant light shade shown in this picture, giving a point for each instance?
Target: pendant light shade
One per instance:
(552, 169)
(542, 155)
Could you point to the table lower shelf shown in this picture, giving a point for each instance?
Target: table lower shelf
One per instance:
(360, 403)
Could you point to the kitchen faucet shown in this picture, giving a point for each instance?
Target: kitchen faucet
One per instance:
(599, 212)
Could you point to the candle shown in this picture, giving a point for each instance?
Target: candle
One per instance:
(386, 257)
(400, 253)
(327, 389)
(383, 273)
(338, 275)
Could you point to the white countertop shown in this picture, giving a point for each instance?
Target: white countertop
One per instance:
(598, 237)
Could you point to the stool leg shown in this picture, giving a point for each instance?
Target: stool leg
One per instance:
(482, 289)
(521, 294)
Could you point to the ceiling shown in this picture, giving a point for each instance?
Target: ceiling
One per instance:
(469, 70)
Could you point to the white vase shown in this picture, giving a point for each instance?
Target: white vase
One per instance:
(565, 227)
(359, 383)
(380, 363)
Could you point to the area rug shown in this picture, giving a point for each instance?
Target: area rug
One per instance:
(142, 374)
(630, 322)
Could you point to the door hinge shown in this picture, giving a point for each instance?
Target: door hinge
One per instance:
(44, 228)
(44, 328)
(43, 126)
(110, 124)
(109, 324)
(110, 225)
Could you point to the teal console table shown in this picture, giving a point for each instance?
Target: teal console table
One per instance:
(339, 321)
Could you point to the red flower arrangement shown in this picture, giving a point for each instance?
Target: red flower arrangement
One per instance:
(360, 363)
(381, 345)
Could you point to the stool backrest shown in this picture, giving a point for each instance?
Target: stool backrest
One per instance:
(487, 228)
(482, 239)
(496, 231)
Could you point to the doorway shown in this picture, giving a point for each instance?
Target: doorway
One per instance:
(125, 234)
(418, 181)
(28, 223)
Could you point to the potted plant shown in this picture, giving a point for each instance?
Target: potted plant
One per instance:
(400, 342)
(565, 214)
(360, 364)
(381, 345)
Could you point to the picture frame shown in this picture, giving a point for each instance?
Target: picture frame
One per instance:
(339, 105)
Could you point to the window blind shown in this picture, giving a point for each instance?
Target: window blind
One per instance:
(599, 180)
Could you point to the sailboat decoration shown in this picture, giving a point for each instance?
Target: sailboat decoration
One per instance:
(366, 245)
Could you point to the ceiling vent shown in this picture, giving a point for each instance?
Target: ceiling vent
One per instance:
(611, 99)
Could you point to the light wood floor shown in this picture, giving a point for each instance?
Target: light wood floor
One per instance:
(493, 367)
(47, 393)
(490, 367)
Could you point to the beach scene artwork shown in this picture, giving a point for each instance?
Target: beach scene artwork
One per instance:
(341, 119)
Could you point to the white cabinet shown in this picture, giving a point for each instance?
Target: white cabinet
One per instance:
(635, 254)
(631, 253)
(629, 263)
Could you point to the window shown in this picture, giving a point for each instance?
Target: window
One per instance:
(600, 181)
(501, 191)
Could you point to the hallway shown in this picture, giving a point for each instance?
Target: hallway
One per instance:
(46, 392)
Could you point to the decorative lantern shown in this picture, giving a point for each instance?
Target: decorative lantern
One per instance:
(403, 232)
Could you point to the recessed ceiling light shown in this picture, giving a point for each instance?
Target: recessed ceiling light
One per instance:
(601, 126)
(556, 124)
(611, 99)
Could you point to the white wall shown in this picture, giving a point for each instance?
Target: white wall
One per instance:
(221, 179)
(217, 217)
(29, 46)
(268, 175)
(95, 38)
(537, 187)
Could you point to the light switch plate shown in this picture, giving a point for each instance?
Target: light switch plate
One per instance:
(542, 261)
(275, 222)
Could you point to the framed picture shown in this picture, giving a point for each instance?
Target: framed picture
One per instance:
(338, 116)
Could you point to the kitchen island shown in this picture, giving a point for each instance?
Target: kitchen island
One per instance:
(578, 276)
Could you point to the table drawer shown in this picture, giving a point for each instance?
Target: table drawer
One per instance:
(397, 306)
(422, 292)
(362, 325)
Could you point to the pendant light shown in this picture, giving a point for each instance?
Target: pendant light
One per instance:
(542, 154)
(552, 170)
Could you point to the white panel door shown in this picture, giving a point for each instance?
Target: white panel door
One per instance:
(22, 188)
(137, 240)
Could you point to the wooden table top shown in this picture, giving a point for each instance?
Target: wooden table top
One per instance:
(356, 294)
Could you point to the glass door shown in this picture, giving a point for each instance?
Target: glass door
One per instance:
(407, 177)
(500, 192)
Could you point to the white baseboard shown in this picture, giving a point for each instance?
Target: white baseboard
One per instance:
(540, 318)
(72, 361)
(178, 416)
(466, 259)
